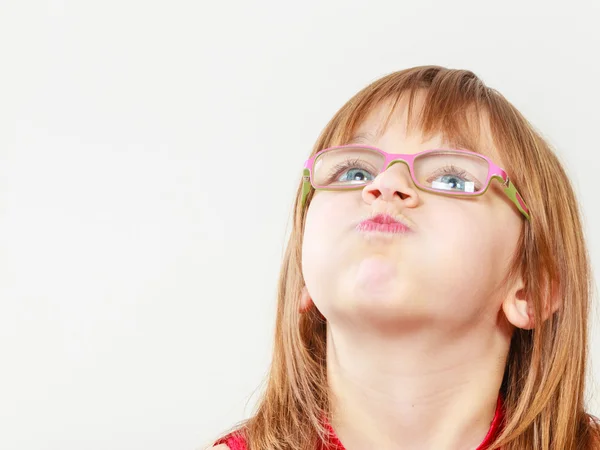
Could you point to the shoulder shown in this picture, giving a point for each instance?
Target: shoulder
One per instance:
(235, 440)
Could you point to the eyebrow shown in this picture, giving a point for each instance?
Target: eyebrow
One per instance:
(361, 138)
(367, 138)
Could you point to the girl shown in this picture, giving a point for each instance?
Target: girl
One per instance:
(436, 286)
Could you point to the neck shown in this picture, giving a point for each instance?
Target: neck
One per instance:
(420, 390)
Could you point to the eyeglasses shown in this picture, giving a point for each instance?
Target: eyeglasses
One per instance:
(459, 173)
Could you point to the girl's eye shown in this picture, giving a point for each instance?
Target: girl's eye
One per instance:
(451, 178)
(350, 172)
(356, 175)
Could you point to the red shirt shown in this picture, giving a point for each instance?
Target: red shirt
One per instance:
(236, 440)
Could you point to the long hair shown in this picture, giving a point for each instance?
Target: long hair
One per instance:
(544, 378)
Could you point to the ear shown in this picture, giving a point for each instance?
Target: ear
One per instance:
(305, 301)
(518, 305)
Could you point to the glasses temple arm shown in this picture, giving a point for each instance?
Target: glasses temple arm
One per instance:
(305, 185)
(511, 191)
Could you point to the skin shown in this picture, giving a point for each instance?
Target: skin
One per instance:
(418, 331)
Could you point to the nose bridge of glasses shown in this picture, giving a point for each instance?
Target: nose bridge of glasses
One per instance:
(395, 159)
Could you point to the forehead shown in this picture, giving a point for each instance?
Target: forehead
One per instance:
(469, 133)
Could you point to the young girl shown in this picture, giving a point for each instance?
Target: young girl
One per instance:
(436, 285)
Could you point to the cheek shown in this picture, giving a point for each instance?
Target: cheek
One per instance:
(456, 256)
(461, 240)
(316, 228)
(466, 267)
(323, 241)
(330, 213)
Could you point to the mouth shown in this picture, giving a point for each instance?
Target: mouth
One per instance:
(384, 223)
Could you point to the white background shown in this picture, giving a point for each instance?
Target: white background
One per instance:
(140, 242)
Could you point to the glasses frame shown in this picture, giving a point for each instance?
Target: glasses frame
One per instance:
(494, 172)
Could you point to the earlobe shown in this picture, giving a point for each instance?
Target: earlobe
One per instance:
(305, 301)
(518, 307)
(518, 312)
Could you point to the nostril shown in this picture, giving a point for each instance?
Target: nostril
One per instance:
(377, 193)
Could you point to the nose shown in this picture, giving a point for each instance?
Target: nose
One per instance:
(393, 185)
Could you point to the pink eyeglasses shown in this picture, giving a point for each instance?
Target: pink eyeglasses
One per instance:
(456, 173)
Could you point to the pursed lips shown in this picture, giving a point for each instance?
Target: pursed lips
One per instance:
(384, 223)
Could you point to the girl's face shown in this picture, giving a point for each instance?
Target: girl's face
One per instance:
(445, 272)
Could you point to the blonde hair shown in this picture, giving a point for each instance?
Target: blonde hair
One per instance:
(544, 379)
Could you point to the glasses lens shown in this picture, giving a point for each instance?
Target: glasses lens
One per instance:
(347, 167)
(451, 172)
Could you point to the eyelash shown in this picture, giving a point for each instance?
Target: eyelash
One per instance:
(452, 170)
(346, 165)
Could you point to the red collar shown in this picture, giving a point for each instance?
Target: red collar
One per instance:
(334, 443)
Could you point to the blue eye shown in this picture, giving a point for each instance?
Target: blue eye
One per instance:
(356, 175)
(453, 182)
(350, 172)
(453, 178)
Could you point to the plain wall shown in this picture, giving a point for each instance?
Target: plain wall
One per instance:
(149, 156)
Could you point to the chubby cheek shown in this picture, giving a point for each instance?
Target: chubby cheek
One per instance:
(323, 242)
(457, 264)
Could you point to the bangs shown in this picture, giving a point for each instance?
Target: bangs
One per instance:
(453, 106)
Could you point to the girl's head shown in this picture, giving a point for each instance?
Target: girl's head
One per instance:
(448, 272)
(466, 264)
